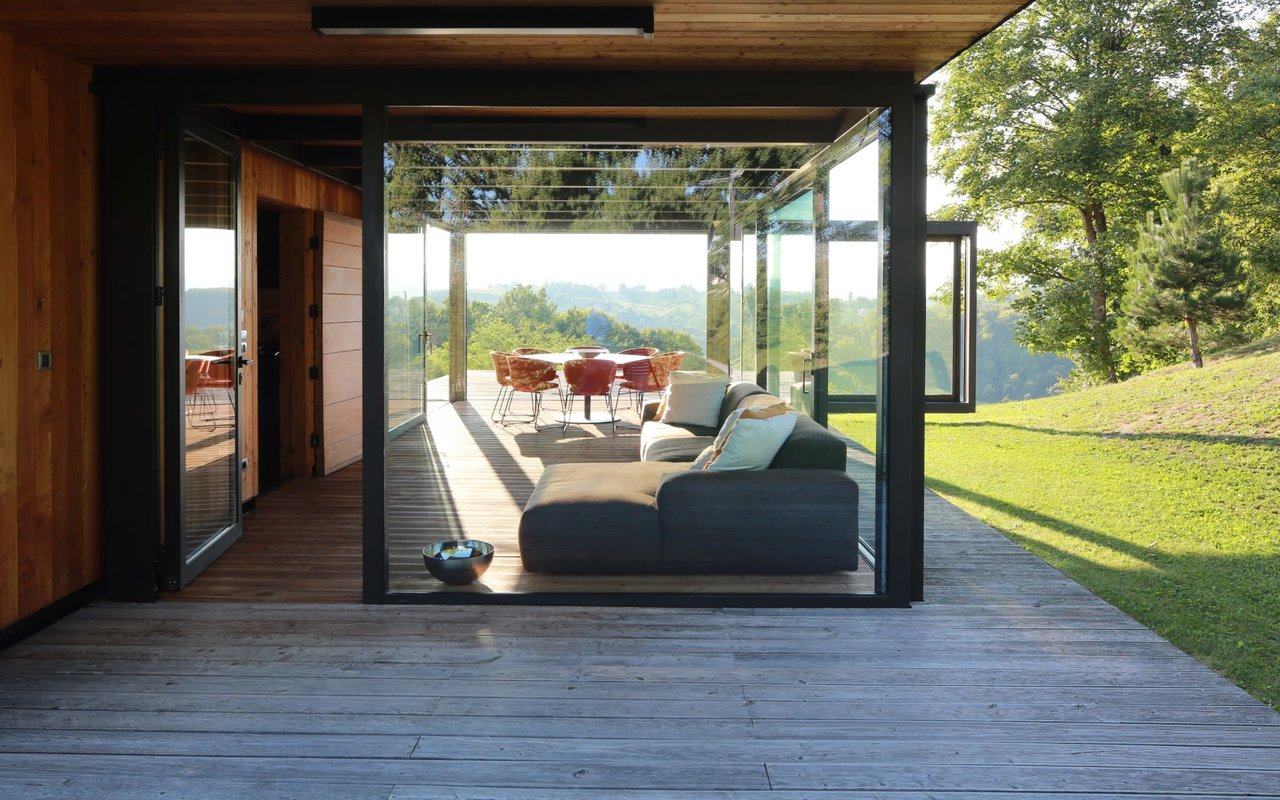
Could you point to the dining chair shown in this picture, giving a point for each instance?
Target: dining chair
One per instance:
(590, 377)
(502, 374)
(640, 351)
(528, 375)
(551, 373)
(221, 374)
(651, 375)
(198, 406)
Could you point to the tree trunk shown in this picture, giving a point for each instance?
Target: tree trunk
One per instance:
(1095, 224)
(1196, 358)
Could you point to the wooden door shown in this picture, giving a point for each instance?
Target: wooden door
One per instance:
(338, 287)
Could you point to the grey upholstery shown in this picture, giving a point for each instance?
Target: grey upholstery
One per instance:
(811, 446)
(770, 521)
(594, 518)
(662, 442)
(657, 516)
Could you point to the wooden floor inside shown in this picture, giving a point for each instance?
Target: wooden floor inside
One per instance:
(461, 475)
(1010, 682)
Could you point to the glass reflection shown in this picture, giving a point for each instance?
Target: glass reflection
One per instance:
(209, 340)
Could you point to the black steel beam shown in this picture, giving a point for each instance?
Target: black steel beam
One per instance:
(763, 132)
(510, 88)
(317, 128)
(298, 128)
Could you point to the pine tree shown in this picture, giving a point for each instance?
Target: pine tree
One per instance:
(1182, 273)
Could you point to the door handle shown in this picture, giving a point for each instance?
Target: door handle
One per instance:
(242, 362)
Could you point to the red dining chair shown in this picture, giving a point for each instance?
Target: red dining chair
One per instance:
(528, 375)
(502, 374)
(590, 377)
(551, 373)
(651, 375)
(635, 351)
(195, 375)
(221, 374)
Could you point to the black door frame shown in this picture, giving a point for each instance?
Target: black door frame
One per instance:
(133, 97)
(178, 569)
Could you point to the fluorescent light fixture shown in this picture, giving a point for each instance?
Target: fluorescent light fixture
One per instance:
(483, 20)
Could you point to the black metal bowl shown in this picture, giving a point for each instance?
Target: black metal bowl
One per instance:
(458, 561)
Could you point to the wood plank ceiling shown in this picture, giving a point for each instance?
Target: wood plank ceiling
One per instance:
(914, 35)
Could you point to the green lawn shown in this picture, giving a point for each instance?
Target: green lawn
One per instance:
(1161, 494)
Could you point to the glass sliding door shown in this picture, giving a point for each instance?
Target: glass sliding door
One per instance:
(205, 350)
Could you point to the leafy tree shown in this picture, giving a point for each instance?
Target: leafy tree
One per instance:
(1067, 114)
(1239, 135)
(1182, 273)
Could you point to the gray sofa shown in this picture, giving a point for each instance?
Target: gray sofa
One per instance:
(656, 516)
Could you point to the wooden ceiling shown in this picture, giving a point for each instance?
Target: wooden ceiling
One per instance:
(914, 35)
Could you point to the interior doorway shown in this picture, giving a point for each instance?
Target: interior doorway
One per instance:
(282, 257)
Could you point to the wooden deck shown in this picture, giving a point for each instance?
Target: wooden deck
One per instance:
(1010, 682)
(459, 475)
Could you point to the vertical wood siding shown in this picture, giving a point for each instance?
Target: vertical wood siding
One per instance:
(50, 499)
(282, 183)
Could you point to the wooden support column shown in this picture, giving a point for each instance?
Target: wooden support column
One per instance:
(457, 316)
(821, 300)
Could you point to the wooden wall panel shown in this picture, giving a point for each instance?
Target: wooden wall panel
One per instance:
(266, 177)
(341, 341)
(50, 498)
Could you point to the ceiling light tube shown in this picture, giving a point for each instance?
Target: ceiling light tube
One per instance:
(483, 20)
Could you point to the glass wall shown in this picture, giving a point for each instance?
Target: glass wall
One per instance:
(858, 272)
(796, 265)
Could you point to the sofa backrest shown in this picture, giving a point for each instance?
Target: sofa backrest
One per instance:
(733, 397)
(810, 446)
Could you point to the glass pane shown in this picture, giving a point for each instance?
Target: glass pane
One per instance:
(210, 338)
(940, 317)
(405, 325)
(436, 312)
(791, 262)
(858, 257)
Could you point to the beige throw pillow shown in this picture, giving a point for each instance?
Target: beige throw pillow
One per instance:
(693, 398)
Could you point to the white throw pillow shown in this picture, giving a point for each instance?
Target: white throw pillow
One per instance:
(749, 440)
(694, 398)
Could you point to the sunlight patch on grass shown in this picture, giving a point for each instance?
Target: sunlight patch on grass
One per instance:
(1162, 495)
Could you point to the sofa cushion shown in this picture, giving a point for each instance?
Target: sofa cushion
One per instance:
(811, 446)
(694, 398)
(662, 442)
(594, 518)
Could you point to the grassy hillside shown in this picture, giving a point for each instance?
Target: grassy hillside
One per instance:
(1161, 494)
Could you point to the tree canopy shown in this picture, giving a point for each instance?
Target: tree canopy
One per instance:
(1182, 273)
(1068, 114)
